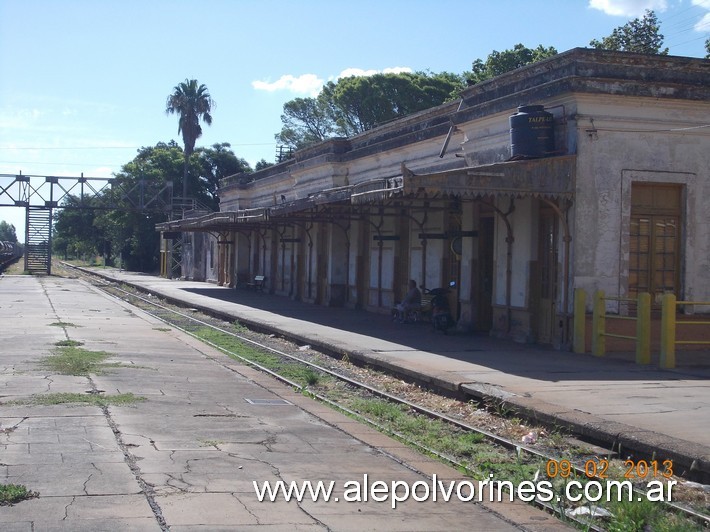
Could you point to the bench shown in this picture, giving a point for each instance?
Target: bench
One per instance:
(258, 284)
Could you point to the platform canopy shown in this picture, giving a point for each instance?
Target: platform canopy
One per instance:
(551, 178)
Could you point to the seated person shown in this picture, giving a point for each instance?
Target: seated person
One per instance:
(412, 301)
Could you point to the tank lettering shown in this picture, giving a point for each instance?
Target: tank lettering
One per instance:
(539, 119)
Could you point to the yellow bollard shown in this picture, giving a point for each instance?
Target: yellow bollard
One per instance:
(598, 319)
(643, 329)
(580, 320)
(668, 310)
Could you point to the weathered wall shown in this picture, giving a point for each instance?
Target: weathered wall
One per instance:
(623, 140)
(627, 118)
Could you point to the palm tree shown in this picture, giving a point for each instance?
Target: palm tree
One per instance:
(193, 103)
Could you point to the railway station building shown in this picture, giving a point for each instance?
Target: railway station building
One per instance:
(590, 169)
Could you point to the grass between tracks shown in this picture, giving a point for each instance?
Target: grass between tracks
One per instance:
(293, 371)
(471, 451)
(477, 457)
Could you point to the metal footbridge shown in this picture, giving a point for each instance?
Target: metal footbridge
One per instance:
(39, 195)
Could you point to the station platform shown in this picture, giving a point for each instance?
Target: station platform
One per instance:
(183, 452)
(611, 400)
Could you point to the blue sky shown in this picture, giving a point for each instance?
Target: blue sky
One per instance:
(83, 83)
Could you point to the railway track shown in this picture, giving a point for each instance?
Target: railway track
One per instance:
(365, 394)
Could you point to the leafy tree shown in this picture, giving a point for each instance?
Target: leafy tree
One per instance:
(192, 102)
(132, 232)
(260, 165)
(306, 121)
(640, 35)
(498, 63)
(359, 103)
(707, 48)
(7, 232)
(217, 163)
(76, 233)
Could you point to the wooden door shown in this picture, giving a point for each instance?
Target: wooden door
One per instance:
(654, 240)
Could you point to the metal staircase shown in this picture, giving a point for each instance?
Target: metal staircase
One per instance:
(38, 241)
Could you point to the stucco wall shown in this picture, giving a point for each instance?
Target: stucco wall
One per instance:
(625, 140)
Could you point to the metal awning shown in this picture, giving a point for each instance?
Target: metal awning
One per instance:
(376, 190)
(290, 207)
(216, 221)
(551, 177)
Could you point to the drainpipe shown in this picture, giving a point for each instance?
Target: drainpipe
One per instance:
(379, 271)
(310, 259)
(424, 260)
(566, 239)
(421, 224)
(262, 235)
(378, 228)
(346, 231)
(283, 257)
(509, 239)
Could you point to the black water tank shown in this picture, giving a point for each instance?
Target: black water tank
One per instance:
(531, 132)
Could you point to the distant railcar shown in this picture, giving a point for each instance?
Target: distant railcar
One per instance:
(9, 252)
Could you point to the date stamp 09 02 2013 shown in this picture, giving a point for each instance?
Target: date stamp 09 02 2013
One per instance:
(599, 469)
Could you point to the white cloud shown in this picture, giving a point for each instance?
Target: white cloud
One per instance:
(703, 25)
(628, 8)
(311, 84)
(348, 72)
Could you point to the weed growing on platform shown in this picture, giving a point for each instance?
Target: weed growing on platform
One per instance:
(68, 343)
(75, 361)
(51, 399)
(210, 443)
(70, 359)
(62, 324)
(13, 493)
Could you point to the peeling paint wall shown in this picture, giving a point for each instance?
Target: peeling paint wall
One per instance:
(623, 140)
(627, 118)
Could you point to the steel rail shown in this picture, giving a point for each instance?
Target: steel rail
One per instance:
(504, 442)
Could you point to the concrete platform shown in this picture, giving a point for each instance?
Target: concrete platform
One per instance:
(186, 457)
(610, 399)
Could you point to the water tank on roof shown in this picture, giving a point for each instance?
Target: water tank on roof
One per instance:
(531, 132)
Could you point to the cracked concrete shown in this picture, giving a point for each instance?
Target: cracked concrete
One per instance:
(186, 458)
(612, 400)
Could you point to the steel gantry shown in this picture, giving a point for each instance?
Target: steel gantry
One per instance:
(40, 194)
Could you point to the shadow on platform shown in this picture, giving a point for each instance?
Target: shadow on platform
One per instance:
(531, 361)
